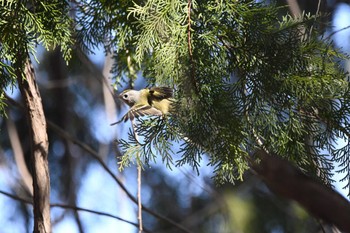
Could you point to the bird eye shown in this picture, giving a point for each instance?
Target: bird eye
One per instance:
(125, 96)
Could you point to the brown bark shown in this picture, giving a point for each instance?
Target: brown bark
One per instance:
(39, 151)
(288, 181)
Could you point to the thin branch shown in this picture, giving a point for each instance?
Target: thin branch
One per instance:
(335, 32)
(75, 208)
(189, 43)
(17, 198)
(318, 7)
(317, 12)
(19, 156)
(139, 173)
(139, 165)
(96, 156)
(139, 200)
(189, 29)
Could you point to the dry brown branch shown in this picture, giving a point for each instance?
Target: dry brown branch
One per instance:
(96, 156)
(288, 181)
(39, 150)
(75, 208)
(62, 133)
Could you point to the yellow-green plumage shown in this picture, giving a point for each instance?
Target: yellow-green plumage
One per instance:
(149, 101)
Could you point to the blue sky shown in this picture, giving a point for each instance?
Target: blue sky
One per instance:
(100, 192)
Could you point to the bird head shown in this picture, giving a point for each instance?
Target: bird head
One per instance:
(130, 97)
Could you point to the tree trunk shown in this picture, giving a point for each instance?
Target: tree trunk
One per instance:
(39, 151)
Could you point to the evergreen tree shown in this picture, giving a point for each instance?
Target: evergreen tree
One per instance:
(246, 79)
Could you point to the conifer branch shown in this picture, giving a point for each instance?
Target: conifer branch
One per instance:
(62, 133)
(190, 52)
(189, 29)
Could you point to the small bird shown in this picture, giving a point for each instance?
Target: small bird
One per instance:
(155, 101)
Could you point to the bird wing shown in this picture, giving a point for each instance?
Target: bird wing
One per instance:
(160, 93)
(139, 111)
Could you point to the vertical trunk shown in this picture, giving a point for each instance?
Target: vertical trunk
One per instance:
(40, 171)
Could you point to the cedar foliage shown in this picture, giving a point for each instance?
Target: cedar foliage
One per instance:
(24, 25)
(246, 74)
(239, 70)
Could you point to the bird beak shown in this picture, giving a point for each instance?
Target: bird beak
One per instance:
(120, 96)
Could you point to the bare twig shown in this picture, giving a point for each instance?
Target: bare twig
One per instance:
(132, 78)
(96, 156)
(337, 31)
(19, 156)
(139, 201)
(75, 208)
(317, 12)
(318, 7)
(139, 173)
